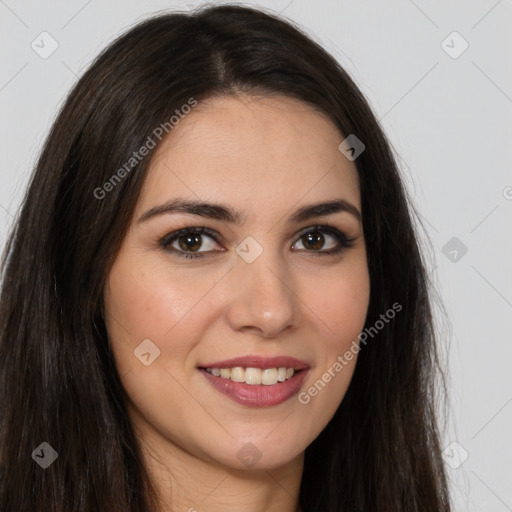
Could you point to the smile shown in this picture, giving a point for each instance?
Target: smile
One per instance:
(253, 376)
(256, 394)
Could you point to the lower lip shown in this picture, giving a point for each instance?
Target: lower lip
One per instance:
(257, 395)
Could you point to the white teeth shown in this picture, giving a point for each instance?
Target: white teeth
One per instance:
(225, 373)
(253, 376)
(269, 376)
(281, 374)
(237, 374)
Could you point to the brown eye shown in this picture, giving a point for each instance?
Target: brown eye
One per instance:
(315, 239)
(187, 242)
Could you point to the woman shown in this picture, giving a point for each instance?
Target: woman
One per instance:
(215, 234)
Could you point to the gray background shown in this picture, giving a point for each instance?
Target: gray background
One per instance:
(449, 122)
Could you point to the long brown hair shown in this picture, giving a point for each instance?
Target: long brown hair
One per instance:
(59, 384)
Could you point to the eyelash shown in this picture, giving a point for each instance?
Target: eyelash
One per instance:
(166, 241)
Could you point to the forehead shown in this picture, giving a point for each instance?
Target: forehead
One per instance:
(249, 150)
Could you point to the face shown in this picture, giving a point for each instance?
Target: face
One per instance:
(255, 276)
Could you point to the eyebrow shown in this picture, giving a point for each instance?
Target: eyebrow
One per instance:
(225, 213)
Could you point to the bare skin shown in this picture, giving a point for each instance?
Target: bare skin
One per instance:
(266, 158)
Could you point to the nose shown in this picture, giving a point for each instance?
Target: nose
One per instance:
(262, 297)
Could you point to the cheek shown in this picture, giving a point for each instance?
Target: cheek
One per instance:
(152, 302)
(340, 302)
(340, 305)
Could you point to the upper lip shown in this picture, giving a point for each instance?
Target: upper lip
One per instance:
(259, 362)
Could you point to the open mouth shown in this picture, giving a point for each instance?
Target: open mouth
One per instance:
(254, 376)
(256, 387)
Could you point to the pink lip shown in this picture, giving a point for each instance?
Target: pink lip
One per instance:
(259, 362)
(257, 395)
